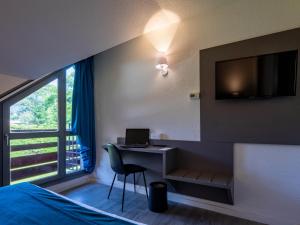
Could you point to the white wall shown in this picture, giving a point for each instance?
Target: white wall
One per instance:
(8, 82)
(130, 93)
(267, 182)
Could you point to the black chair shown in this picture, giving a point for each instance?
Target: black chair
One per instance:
(119, 167)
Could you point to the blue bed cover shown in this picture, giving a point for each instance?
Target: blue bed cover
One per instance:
(27, 204)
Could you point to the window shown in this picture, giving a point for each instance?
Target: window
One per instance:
(73, 163)
(39, 145)
(70, 73)
(38, 111)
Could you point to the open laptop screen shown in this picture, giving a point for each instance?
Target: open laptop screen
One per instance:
(137, 136)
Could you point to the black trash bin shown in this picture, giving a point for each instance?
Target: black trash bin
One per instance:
(158, 201)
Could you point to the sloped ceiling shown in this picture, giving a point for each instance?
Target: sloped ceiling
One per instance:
(40, 36)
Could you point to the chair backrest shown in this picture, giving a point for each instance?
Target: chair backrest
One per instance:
(116, 161)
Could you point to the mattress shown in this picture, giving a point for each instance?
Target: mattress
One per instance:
(27, 204)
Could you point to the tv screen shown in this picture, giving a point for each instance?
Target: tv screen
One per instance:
(257, 77)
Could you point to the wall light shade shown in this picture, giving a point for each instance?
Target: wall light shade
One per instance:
(162, 66)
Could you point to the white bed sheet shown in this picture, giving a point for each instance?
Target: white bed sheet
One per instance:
(95, 209)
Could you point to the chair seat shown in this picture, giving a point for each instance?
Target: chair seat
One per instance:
(132, 168)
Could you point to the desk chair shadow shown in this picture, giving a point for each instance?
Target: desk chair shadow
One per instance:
(119, 167)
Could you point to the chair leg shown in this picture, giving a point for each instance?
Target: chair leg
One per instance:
(145, 184)
(112, 184)
(134, 182)
(123, 192)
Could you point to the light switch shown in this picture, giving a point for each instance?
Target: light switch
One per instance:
(195, 95)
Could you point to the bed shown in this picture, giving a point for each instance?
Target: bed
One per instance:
(27, 204)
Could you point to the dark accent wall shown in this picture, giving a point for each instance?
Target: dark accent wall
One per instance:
(271, 121)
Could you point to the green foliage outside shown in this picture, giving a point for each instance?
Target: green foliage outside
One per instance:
(69, 94)
(40, 109)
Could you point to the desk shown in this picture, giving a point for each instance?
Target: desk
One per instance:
(186, 175)
(162, 160)
(149, 149)
(155, 158)
(164, 163)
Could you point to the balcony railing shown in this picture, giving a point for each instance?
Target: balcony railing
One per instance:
(73, 163)
(35, 161)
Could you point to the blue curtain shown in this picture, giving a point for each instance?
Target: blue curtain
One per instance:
(83, 118)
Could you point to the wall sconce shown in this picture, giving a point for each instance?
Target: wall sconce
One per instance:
(162, 66)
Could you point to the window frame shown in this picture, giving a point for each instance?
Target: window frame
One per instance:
(61, 132)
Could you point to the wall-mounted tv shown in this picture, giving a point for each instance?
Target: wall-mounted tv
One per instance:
(260, 76)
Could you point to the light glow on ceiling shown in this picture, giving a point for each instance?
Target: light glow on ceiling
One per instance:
(161, 28)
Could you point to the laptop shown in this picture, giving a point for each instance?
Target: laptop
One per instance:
(137, 138)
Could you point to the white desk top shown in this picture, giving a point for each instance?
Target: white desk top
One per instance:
(149, 149)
